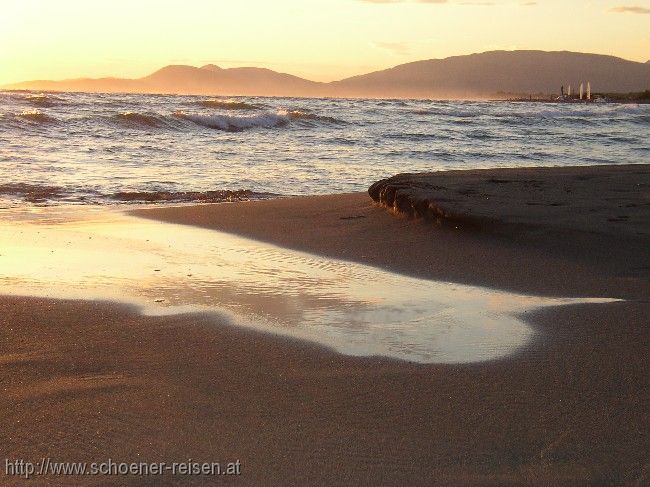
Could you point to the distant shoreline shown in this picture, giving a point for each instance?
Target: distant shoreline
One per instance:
(487, 98)
(620, 98)
(474, 76)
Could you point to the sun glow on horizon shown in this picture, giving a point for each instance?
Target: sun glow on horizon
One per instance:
(319, 40)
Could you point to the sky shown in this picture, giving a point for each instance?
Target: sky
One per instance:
(321, 40)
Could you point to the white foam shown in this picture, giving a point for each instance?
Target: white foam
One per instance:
(235, 123)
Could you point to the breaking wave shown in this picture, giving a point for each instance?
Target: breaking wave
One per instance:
(302, 115)
(32, 193)
(217, 196)
(183, 121)
(228, 104)
(235, 123)
(35, 116)
(47, 194)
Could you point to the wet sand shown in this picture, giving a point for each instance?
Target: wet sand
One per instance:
(86, 381)
(540, 260)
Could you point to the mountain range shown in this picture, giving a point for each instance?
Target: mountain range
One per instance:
(481, 75)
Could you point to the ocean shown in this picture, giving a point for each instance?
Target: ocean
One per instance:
(76, 148)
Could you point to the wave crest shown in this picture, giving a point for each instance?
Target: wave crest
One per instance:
(42, 100)
(140, 119)
(235, 123)
(445, 112)
(35, 116)
(228, 104)
(302, 115)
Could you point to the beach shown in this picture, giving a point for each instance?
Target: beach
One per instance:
(91, 380)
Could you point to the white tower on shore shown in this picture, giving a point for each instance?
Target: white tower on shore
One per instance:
(581, 89)
(569, 91)
(588, 90)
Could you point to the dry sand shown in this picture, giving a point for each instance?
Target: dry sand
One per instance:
(86, 381)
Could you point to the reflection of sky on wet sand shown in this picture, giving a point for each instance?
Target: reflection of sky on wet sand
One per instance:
(166, 268)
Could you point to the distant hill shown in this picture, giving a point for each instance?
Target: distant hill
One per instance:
(473, 76)
(480, 75)
(211, 79)
(207, 80)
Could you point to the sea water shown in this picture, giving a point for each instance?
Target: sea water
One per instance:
(61, 148)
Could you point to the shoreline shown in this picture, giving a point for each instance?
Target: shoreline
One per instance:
(405, 246)
(91, 380)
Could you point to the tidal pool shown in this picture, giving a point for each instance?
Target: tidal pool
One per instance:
(99, 253)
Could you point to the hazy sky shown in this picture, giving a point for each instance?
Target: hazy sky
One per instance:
(317, 39)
